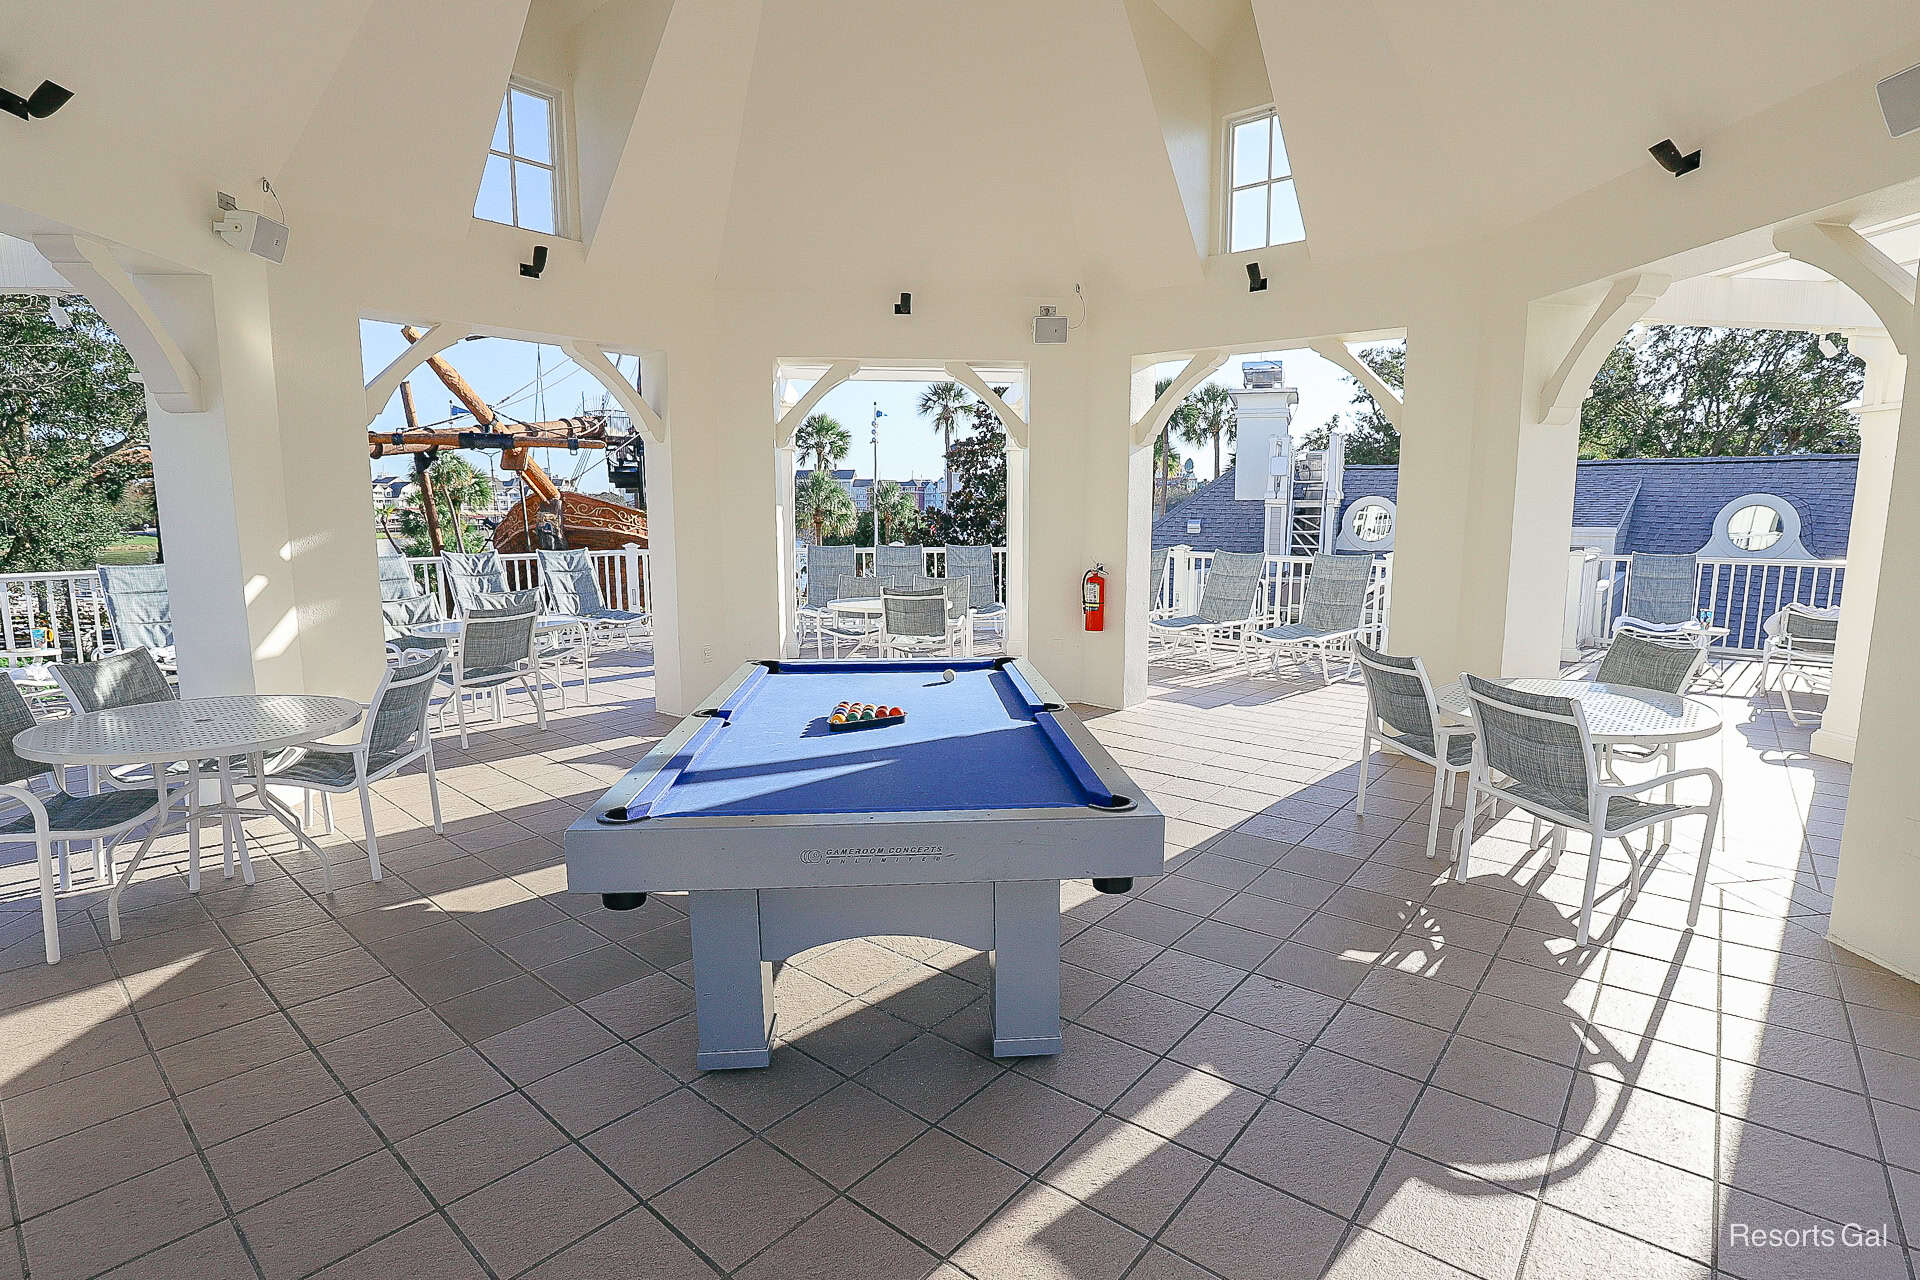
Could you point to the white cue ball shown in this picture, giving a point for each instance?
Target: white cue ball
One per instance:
(947, 675)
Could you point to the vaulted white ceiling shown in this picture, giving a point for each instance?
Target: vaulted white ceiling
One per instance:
(976, 144)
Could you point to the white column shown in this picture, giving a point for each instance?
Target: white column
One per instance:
(1877, 897)
(1880, 402)
(1485, 506)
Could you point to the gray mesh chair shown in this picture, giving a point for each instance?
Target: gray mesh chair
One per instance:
(471, 575)
(572, 590)
(139, 607)
(1800, 639)
(1641, 662)
(1663, 599)
(1534, 752)
(1229, 602)
(838, 628)
(393, 734)
(826, 565)
(497, 649)
(1401, 713)
(1332, 611)
(1159, 596)
(900, 560)
(976, 565)
(404, 604)
(129, 678)
(53, 820)
(915, 622)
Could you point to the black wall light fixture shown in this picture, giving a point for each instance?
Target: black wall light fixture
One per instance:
(39, 104)
(532, 270)
(1256, 283)
(904, 307)
(1671, 160)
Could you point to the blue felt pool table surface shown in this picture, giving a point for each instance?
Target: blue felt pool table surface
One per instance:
(985, 740)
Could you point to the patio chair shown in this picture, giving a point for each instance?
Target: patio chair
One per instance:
(1331, 614)
(1159, 593)
(1663, 600)
(1534, 752)
(573, 590)
(139, 608)
(1229, 602)
(826, 565)
(497, 649)
(54, 820)
(976, 565)
(405, 604)
(916, 622)
(1800, 638)
(892, 561)
(1401, 713)
(471, 575)
(393, 734)
(851, 629)
(1641, 662)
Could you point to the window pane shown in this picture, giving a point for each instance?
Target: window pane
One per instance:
(1248, 229)
(1284, 226)
(500, 127)
(496, 200)
(534, 187)
(1755, 528)
(532, 135)
(1250, 150)
(1281, 166)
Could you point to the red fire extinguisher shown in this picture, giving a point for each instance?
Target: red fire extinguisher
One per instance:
(1093, 597)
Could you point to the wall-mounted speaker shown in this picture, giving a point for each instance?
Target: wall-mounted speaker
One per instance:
(1900, 101)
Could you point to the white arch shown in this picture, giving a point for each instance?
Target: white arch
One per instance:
(90, 267)
(424, 348)
(1625, 302)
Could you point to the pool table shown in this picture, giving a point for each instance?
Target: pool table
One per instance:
(957, 823)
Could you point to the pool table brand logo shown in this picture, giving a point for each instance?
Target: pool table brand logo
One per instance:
(876, 853)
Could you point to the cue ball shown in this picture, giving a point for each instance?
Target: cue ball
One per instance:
(947, 675)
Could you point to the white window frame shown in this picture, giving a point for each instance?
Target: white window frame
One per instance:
(557, 165)
(1228, 189)
(1788, 546)
(1349, 540)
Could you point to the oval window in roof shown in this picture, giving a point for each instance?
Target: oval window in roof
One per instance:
(1755, 527)
(1370, 522)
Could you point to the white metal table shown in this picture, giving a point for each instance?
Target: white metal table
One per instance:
(190, 731)
(1617, 714)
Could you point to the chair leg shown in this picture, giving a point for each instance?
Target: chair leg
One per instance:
(1594, 841)
(1360, 789)
(60, 848)
(539, 701)
(49, 915)
(1433, 817)
(326, 814)
(1465, 836)
(433, 789)
(193, 824)
(460, 715)
(1533, 839)
(373, 837)
(306, 810)
(1700, 872)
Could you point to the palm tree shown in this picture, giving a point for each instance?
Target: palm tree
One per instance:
(1166, 459)
(457, 486)
(1211, 416)
(946, 403)
(820, 502)
(822, 438)
(892, 506)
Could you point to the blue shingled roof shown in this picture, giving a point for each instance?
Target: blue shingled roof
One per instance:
(1658, 504)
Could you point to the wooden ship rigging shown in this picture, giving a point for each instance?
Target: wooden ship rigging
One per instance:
(547, 518)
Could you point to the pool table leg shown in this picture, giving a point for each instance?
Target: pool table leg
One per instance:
(732, 985)
(1026, 968)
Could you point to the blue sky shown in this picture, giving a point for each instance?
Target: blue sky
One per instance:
(502, 371)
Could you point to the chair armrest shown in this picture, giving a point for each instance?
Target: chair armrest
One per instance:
(31, 802)
(1678, 775)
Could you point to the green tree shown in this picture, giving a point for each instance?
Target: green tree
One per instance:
(976, 510)
(1701, 393)
(1371, 439)
(1210, 418)
(1180, 424)
(821, 504)
(945, 404)
(458, 488)
(73, 435)
(900, 519)
(824, 440)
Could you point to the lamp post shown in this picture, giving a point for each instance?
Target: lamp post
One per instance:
(873, 490)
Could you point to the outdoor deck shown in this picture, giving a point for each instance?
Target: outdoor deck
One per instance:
(1294, 1055)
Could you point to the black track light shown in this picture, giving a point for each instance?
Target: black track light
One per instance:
(38, 105)
(1256, 283)
(1671, 160)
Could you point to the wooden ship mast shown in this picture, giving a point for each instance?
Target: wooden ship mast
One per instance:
(547, 518)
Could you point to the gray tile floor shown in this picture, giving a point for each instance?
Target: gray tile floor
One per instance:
(1302, 1052)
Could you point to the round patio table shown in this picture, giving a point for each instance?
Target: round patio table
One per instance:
(859, 606)
(452, 629)
(190, 731)
(1616, 714)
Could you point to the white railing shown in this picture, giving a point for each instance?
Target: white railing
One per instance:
(625, 576)
(64, 610)
(67, 610)
(1283, 589)
(1741, 594)
(936, 567)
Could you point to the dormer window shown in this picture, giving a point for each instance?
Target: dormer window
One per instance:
(521, 183)
(1262, 206)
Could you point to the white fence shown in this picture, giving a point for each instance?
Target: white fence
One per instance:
(1283, 589)
(1740, 594)
(68, 611)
